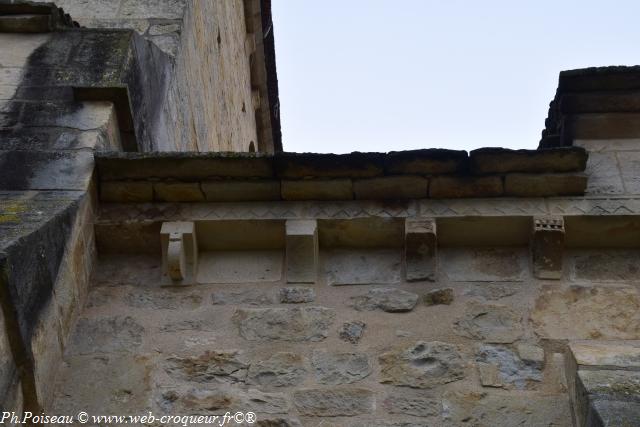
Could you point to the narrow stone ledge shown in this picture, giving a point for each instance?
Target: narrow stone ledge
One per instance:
(178, 192)
(391, 187)
(530, 185)
(25, 23)
(353, 165)
(426, 162)
(184, 166)
(239, 191)
(502, 160)
(445, 187)
(126, 191)
(600, 79)
(317, 189)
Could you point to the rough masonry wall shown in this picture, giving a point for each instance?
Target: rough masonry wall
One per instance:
(208, 105)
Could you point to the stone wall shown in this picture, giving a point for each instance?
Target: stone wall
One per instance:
(209, 105)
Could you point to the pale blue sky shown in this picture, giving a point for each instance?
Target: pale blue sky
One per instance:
(373, 75)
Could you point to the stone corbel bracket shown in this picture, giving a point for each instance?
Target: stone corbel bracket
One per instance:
(547, 246)
(302, 251)
(420, 249)
(179, 253)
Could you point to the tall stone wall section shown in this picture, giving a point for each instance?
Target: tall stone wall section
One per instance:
(208, 105)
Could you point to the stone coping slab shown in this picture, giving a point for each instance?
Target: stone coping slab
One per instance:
(413, 174)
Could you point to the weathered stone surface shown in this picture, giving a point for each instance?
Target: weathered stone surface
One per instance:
(547, 247)
(439, 296)
(503, 160)
(238, 191)
(107, 335)
(432, 161)
(581, 312)
(303, 165)
(531, 354)
(608, 413)
(493, 291)
(422, 365)
(606, 354)
(489, 375)
(215, 400)
(545, 185)
(416, 404)
(363, 266)
(484, 264)
(511, 369)
(391, 187)
(352, 331)
(334, 402)
(178, 192)
(453, 187)
(317, 189)
(609, 385)
(285, 324)
(126, 191)
(391, 300)
(420, 249)
(302, 251)
(278, 422)
(242, 296)
(506, 410)
(610, 266)
(281, 369)
(490, 323)
(103, 383)
(297, 295)
(183, 165)
(225, 366)
(340, 368)
(161, 299)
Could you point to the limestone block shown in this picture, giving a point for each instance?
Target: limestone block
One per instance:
(587, 312)
(303, 165)
(545, 185)
(599, 79)
(412, 403)
(420, 249)
(421, 365)
(284, 324)
(490, 323)
(547, 247)
(630, 169)
(317, 189)
(391, 187)
(280, 370)
(179, 252)
(512, 371)
(236, 191)
(607, 354)
(227, 366)
(333, 402)
(178, 192)
(391, 300)
(352, 331)
(297, 295)
(443, 187)
(302, 251)
(439, 296)
(503, 160)
(431, 161)
(340, 368)
(126, 191)
(240, 266)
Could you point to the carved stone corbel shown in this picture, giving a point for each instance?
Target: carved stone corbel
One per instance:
(179, 253)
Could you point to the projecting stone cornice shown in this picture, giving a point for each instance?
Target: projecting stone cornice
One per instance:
(404, 175)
